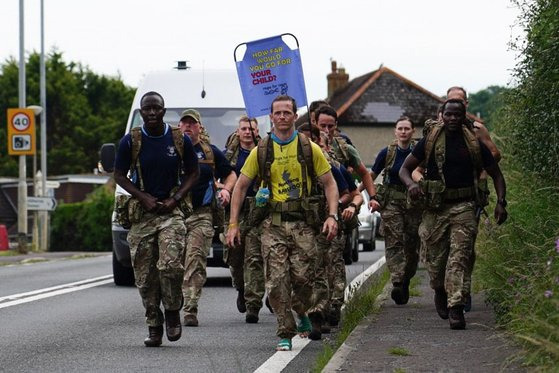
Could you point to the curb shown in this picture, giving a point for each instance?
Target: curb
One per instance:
(353, 340)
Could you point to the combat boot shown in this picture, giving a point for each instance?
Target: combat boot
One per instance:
(400, 293)
(190, 320)
(456, 318)
(316, 321)
(173, 325)
(441, 303)
(241, 305)
(155, 336)
(251, 316)
(334, 316)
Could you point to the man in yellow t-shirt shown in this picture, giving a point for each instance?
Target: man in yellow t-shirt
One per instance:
(288, 245)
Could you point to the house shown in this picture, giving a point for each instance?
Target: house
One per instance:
(369, 105)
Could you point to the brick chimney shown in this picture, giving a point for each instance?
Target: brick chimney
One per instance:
(336, 79)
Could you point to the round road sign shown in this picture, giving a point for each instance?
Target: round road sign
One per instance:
(21, 122)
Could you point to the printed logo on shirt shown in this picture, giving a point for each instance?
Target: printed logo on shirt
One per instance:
(171, 151)
(200, 155)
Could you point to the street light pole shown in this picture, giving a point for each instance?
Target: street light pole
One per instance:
(43, 215)
(22, 182)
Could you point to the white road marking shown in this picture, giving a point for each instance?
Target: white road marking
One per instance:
(278, 361)
(30, 296)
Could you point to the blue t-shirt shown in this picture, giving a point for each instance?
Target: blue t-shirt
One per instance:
(458, 168)
(159, 161)
(340, 180)
(202, 191)
(348, 178)
(380, 164)
(241, 158)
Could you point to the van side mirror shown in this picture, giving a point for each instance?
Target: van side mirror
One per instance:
(107, 155)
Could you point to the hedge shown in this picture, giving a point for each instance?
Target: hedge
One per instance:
(84, 226)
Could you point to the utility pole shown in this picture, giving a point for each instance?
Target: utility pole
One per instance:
(22, 182)
(43, 215)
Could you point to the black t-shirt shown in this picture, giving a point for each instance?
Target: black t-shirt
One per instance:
(458, 166)
(380, 164)
(202, 191)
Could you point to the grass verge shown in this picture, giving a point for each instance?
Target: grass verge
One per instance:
(360, 306)
(518, 266)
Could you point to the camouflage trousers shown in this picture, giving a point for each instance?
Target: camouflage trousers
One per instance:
(199, 234)
(447, 236)
(156, 249)
(330, 276)
(289, 252)
(400, 227)
(247, 267)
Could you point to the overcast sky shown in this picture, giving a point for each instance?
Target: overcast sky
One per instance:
(435, 43)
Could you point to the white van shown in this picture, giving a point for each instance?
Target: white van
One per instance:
(216, 94)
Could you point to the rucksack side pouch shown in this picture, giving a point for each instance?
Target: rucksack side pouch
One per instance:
(135, 211)
(382, 192)
(433, 190)
(256, 214)
(121, 210)
(185, 204)
(314, 209)
(483, 193)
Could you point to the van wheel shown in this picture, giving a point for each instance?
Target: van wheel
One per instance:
(123, 276)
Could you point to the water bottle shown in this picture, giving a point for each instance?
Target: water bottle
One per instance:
(262, 197)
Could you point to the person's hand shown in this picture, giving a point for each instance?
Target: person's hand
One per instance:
(415, 191)
(149, 202)
(374, 205)
(224, 196)
(233, 237)
(330, 228)
(500, 214)
(348, 213)
(167, 206)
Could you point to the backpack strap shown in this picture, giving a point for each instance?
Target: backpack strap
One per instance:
(389, 161)
(136, 136)
(434, 141)
(265, 156)
(342, 147)
(209, 155)
(304, 156)
(475, 153)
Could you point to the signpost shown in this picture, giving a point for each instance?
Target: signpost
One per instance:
(41, 203)
(21, 132)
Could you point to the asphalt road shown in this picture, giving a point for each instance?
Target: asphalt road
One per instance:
(89, 328)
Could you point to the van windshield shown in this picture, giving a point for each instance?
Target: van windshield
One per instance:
(219, 122)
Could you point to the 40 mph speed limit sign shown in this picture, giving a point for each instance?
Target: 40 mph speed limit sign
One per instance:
(21, 132)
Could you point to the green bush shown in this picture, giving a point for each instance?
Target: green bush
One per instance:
(84, 226)
(518, 265)
(531, 123)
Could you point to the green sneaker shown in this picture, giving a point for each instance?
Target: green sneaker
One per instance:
(304, 327)
(284, 345)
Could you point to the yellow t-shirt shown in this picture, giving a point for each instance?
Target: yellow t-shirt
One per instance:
(286, 176)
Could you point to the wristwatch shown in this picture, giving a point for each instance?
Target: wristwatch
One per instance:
(502, 202)
(176, 197)
(352, 205)
(335, 217)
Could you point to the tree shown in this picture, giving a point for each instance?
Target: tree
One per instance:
(84, 110)
(486, 103)
(531, 122)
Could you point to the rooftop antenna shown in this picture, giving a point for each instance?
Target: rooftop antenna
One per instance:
(182, 65)
(203, 94)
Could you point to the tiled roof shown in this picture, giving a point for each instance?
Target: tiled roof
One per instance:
(382, 96)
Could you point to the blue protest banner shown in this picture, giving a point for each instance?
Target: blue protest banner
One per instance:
(270, 68)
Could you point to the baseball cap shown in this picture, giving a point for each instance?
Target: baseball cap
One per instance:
(194, 114)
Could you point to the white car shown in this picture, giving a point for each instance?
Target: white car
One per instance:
(370, 224)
